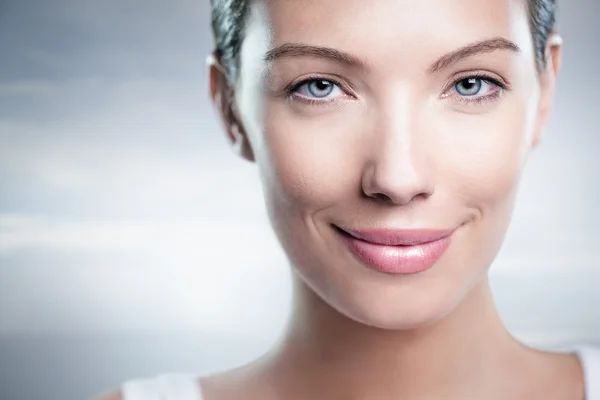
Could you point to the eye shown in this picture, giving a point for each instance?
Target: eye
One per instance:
(320, 88)
(316, 90)
(477, 86)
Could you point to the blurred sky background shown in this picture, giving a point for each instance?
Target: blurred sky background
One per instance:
(133, 242)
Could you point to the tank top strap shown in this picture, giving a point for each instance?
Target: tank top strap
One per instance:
(590, 360)
(163, 387)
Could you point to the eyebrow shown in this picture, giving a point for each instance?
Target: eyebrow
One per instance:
(470, 50)
(473, 49)
(300, 50)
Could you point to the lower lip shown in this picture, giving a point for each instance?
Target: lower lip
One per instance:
(401, 260)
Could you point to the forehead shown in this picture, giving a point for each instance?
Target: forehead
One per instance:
(377, 28)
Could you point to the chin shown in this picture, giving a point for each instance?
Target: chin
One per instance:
(402, 306)
(401, 317)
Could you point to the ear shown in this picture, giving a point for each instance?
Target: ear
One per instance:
(548, 83)
(222, 96)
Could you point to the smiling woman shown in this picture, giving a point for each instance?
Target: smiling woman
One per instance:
(390, 142)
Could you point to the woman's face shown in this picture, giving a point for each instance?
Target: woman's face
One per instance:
(396, 115)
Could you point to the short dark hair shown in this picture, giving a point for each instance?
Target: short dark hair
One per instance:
(229, 18)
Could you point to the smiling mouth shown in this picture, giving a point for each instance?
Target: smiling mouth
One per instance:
(396, 251)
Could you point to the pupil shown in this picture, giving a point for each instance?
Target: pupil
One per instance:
(322, 85)
(469, 83)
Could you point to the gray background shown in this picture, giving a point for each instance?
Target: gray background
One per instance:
(118, 196)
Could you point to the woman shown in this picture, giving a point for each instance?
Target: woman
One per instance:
(390, 137)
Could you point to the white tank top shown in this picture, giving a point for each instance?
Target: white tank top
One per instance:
(163, 387)
(186, 386)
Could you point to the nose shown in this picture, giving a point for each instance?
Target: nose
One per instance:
(397, 170)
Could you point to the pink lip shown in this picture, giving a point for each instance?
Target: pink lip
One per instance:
(397, 251)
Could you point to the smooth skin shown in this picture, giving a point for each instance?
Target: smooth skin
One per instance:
(401, 114)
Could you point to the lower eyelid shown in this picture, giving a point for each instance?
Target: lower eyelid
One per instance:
(479, 101)
(315, 101)
(490, 96)
(304, 97)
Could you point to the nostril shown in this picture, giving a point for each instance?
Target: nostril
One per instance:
(382, 197)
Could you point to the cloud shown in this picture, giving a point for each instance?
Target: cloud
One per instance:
(107, 180)
(189, 239)
(58, 275)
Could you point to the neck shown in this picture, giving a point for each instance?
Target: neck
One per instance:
(325, 352)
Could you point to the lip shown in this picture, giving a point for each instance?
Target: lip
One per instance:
(397, 251)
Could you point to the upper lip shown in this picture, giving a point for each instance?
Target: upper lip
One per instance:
(398, 237)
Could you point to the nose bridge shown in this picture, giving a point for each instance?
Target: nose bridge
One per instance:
(397, 169)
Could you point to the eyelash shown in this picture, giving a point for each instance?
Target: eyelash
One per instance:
(291, 92)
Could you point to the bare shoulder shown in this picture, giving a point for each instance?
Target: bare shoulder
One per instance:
(115, 395)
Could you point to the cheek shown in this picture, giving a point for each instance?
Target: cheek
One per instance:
(482, 157)
(308, 162)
